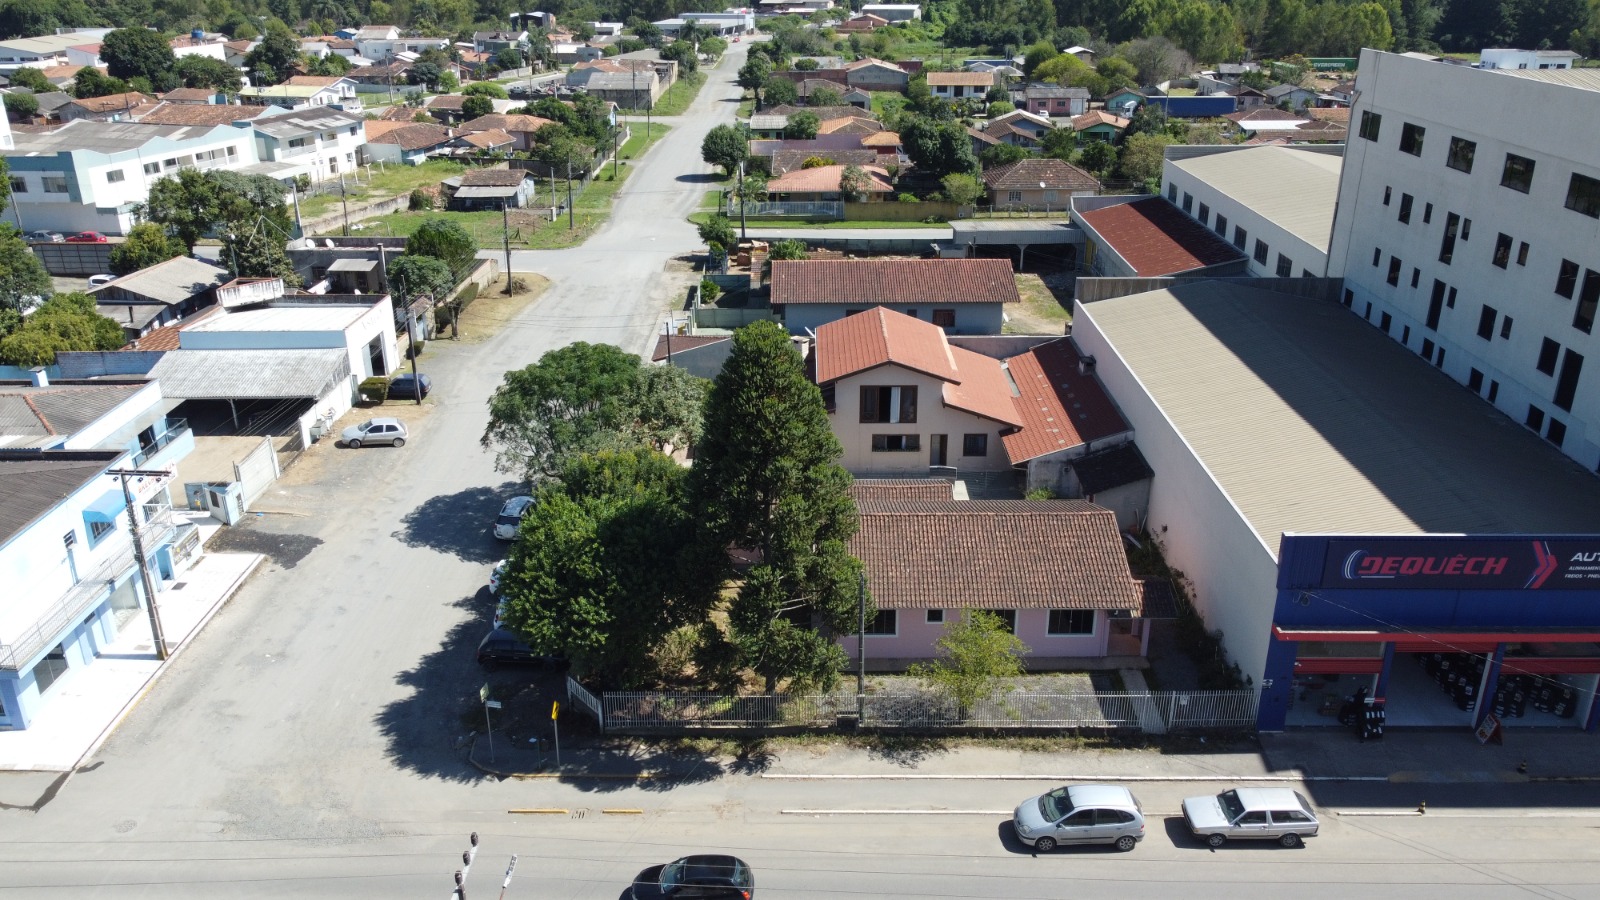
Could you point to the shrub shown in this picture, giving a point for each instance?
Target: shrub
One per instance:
(908, 198)
(374, 389)
(709, 291)
(416, 348)
(1041, 494)
(420, 200)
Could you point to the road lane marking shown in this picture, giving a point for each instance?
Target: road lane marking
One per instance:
(895, 812)
(544, 811)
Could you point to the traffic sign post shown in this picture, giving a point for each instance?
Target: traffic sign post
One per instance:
(488, 727)
(506, 885)
(555, 725)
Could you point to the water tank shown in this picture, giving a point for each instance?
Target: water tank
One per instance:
(198, 35)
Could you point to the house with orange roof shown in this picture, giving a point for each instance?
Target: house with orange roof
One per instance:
(825, 183)
(960, 296)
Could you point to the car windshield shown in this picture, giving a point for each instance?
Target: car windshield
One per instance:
(1054, 805)
(508, 520)
(1231, 807)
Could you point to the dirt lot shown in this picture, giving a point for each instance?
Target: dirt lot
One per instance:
(1046, 305)
(493, 309)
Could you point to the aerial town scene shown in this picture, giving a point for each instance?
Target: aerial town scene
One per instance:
(641, 449)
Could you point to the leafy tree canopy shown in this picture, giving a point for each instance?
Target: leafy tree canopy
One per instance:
(32, 79)
(146, 245)
(726, 146)
(89, 83)
(411, 277)
(976, 655)
(489, 89)
(196, 71)
(802, 126)
(139, 53)
(777, 91)
(64, 322)
(446, 241)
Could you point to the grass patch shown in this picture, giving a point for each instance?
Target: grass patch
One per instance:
(1040, 312)
(886, 104)
(711, 200)
(675, 102)
(747, 106)
(529, 230)
(392, 181)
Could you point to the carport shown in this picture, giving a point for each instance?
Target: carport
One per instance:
(254, 392)
(971, 236)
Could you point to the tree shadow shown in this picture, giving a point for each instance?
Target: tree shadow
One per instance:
(905, 750)
(459, 524)
(701, 178)
(1007, 833)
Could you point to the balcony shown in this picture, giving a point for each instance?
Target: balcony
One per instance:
(177, 432)
(158, 528)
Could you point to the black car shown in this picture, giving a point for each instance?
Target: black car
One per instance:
(700, 877)
(410, 387)
(502, 648)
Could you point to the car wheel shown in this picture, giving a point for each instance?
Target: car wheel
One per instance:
(1044, 845)
(1216, 840)
(1290, 840)
(399, 442)
(353, 445)
(1126, 843)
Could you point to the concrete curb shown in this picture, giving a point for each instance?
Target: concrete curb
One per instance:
(161, 670)
(1253, 779)
(563, 775)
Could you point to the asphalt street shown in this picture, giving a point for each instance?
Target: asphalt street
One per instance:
(309, 744)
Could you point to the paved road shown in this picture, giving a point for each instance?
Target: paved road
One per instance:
(307, 745)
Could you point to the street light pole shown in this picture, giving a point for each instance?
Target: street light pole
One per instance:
(345, 199)
(411, 334)
(570, 226)
(157, 635)
(861, 646)
(505, 214)
(744, 233)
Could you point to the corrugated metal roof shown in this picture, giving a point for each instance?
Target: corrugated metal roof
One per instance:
(31, 486)
(170, 282)
(249, 374)
(1584, 79)
(1310, 420)
(40, 416)
(1293, 189)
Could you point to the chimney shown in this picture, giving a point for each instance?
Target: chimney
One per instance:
(38, 377)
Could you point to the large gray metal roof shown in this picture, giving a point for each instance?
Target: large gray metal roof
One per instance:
(1310, 420)
(32, 486)
(32, 416)
(249, 374)
(305, 121)
(170, 282)
(1291, 188)
(101, 137)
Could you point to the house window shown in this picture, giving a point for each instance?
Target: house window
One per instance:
(1522, 253)
(1460, 155)
(1395, 266)
(1261, 251)
(1475, 381)
(1517, 173)
(1285, 266)
(232, 150)
(975, 445)
(54, 184)
(1014, 196)
(1427, 348)
(1435, 305)
(1388, 193)
(115, 175)
(98, 530)
(1494, 391)
(152, 168)
(935, 617)
(1567, 280)
(1567, 384)
(1502, 250)
(1405, 335)
(1583, 195)
(1486, 317)
(944, 318)
(888, 404)
(1205, 213)
(1188, 201)
(1427, 213)
(1447, 245)
(883, 624)
(19, 185)
(1007, 617)
(1071, 621)
(1416, 276)
(1556, 432)
(1371, 122)
(1535, 419)
(1450, 299)
(1505, 327)
(1411, 138)
(1239, 236)
(1222, 224)
(1377, 256)
(1172, 193)
(1384, 321)
(1588, 299)
(1548, 352)
(1405, 209)
(896, 443)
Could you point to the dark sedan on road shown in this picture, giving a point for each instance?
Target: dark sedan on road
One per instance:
(502, 648)
(700, 877)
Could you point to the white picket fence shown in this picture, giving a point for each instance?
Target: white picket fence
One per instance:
(1155, 712)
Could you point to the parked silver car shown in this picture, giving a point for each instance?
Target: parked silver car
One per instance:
(510, 518)
(1080, 814)
(375, 431)
(1278, 814)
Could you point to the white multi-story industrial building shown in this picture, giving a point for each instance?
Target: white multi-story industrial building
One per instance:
(1468, 229)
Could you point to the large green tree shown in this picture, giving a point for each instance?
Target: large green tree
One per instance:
(64, 322)
(446, 241)
(591, 577)
(938, 148)
(146, 245)
(194, 204)
(138, 52)
(585, 398)
(726, 146)
(766, 479)
(89, 83)
(802, 126)
(196, 71)
(32, 79)
(411, 277)
(273, 59)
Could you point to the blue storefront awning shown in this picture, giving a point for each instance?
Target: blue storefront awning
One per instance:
(107, 508)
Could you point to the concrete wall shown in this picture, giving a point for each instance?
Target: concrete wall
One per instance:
(971, 318)
(933, 417)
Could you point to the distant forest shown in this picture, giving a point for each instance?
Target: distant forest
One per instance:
(1210, 30)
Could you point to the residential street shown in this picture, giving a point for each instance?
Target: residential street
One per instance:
(309, 743)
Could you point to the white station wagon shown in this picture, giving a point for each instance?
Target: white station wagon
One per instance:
(1278, 814)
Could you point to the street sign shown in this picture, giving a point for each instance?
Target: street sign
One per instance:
(555, 707)
(493, 704)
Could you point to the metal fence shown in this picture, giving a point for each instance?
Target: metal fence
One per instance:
(579, 696)
(815, 209)
(1151, 712)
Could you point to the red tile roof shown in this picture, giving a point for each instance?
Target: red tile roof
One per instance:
(1060, 408)
(507, 123)
(493, 177)
(200, 95)
(878, 337)
(993, 554)
(826, 179)
(874, 281)
(1034, 174)
(667, 344)
(412, 137)
(983, 389)
(487, 140)
(111, 102)
(863, 490)
(1098, 117)
(1156, 239)
(197, 114)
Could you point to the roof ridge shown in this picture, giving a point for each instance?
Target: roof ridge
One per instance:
(28, 400)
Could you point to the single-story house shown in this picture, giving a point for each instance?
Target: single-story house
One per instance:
(961, 296)
(1118, 101)
(1053, 100)
(785, 161)
(861, 24)
(877, 75)
(145, 300)
(1291, 95)
(1099, 125)
(1053, 571)
(521, 127)
(492, 141)
(960, 85)
(1083, 53)
(410, 144)
(1019, 127)
(823, 183)
(1036, 183)
(490, 189)
(110, 108)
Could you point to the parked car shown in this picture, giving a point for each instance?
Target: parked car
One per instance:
(408, 386)
(502, 648)
(704, 875)
(510, 518)
(1279, 814)
(44, 237)
(375, 431)
(97, 280)
(87, 237)
(494, 576)
(1080, 814)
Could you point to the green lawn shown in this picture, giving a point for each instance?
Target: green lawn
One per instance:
(390, 181)
(711, 200)
(887, 103)
(675, 102)
(487, 227)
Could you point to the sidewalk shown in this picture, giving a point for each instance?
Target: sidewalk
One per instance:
(88, 702)
(1415, 756)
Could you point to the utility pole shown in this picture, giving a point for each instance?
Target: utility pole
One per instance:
(505, 213)
(411, 335)
(744, 233)
(157, 635)
(614, 152)
(345, 199)
(861, 647)
(569, 194)
(298, 225)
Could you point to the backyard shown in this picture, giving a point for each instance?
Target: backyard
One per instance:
(383, 181)
(1046, 305)
(675, 102)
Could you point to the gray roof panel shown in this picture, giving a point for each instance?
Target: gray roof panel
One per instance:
(249, 374)
(1291, 188)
